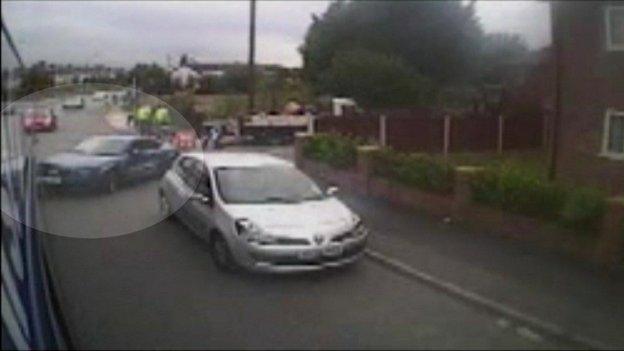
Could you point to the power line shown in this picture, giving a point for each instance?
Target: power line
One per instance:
(9, 39)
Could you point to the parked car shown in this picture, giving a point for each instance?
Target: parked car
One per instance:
(100, 95)
(76, 102)
(261, 213)
(39, 119)
(105, 162)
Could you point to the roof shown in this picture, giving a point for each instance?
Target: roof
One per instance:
(238, 159)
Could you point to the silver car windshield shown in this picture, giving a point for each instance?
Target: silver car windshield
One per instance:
(242, 185)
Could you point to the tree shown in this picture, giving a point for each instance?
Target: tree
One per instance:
(228, 106)
(276, 87)
(233, 80)
(185, 113)
(151, 79)
(376, 80)
(205, 85)
(34, 79)
(437, 39)
(502, 56)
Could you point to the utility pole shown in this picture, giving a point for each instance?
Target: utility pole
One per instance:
(556, 121)
(252, 48)
(134, 93)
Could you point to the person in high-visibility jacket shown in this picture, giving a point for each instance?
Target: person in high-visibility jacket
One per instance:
(162, 117)
(143, 118)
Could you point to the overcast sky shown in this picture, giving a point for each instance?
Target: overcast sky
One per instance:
(123, 33)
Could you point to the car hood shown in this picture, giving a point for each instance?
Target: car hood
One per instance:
(301, 220)
(76, 160)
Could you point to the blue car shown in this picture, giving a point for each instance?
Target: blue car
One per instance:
(102, 163)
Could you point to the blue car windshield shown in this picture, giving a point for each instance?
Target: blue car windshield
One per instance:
(101, 146)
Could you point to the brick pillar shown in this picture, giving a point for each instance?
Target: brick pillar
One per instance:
(300, 140)
(364, 164)
(610, 246)
(462, 192)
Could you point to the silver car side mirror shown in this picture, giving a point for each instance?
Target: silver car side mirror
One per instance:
(332, 190)
(206, 200)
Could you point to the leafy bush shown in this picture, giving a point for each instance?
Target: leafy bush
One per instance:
(584, 209)
(523, 191)
(227, 106)
(335, 150)
(421, 171)
(518, 190)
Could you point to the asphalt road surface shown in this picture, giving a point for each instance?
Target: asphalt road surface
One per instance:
(157, 287)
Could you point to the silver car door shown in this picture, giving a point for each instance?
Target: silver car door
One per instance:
(202, 211)
(173, 186)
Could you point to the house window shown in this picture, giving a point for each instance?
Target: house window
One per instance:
(615, 28)
(613, 137)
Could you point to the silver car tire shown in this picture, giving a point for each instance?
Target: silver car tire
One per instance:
(221, 254)
(164, 206)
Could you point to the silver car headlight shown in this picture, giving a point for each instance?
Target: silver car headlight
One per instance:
(252, 232)
(359, 229)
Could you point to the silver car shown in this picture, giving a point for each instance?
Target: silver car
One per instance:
(261, 213)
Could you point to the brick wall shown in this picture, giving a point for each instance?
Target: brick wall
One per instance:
(592, 80)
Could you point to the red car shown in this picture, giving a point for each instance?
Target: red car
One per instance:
(39, 120)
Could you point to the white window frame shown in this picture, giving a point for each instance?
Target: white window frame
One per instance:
(605, 152)
(610, 45)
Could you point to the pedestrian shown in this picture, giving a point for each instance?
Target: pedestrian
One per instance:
(204, 139)
(214, 138)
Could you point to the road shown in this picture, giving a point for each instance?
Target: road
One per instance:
(156, 286)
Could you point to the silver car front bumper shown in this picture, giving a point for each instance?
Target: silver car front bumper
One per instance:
(292, 259)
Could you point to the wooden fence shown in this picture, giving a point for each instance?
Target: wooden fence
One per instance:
(421, 131)
(365, 126)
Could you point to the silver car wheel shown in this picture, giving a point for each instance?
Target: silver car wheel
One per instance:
(221, 252)
(165, 207)
(112, 184)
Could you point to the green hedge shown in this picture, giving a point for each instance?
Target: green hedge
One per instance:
(522, 191)
(417, 170)
(335, 150)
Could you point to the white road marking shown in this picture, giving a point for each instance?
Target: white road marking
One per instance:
(503, 323)
(543, 327)
(529, 334)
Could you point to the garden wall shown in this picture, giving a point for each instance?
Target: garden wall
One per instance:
(607, 247)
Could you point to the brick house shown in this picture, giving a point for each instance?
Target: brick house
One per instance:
(588, 43)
